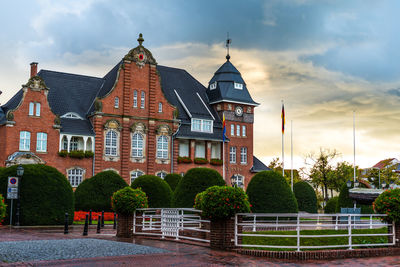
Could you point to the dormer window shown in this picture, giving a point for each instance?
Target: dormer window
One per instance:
(71, 115)
(200, 125)
(238, 86)
(213, 86)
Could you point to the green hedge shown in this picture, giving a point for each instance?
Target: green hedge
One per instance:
(158, 192)
(95, 193)
(45, 195)
(173, 180)
(344, 201)
(196, 180)
(269, 193)
(306, 197)
(330, 206)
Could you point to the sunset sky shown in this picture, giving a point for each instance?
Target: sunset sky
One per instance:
(323, 58)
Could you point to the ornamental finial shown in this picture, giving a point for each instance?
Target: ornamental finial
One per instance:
(228, 42)
(140, 39)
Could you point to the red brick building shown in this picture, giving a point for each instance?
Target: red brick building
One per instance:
(140, 118)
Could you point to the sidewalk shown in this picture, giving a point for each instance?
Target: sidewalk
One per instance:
(178, 254)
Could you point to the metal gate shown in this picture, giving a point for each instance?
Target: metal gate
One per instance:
(170, 222)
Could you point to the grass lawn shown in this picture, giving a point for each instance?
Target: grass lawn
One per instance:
(93, 222)
(314, 241)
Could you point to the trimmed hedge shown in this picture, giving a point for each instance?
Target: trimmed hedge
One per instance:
(126, 200)
(306, 197)
(344, 201)
(95, 193)
(173, 180)
(45, 195)
(158, 192)
(196, 180)
(269, 193)
(331, 205)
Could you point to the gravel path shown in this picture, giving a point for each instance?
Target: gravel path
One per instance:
(35, 250)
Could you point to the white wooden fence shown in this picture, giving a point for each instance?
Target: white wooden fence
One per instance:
(251, 223)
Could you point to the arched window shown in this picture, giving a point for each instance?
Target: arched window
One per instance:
(162, 147)
(137, 145)
(65, 143)
(136, 174)
(111, 143)
(161, 174)
(75, 176)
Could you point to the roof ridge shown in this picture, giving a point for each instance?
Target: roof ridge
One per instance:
(70, 74)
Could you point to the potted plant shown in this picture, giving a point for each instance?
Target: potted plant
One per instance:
(63, 153)
(184, 160)
(200, 161)
(124, 202)
(216, 161)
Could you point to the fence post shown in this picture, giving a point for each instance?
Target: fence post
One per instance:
(236, 227)
(336, 225)
(134, 221)
(370, 221)
(254, 222)
(66, 224)
(90, 217)
(276, 223)
(86, 227)
(102, 219)
(349, 231)
(115, 221)
(98, 224)
(298, 232)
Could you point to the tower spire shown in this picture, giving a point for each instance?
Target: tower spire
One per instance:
(228, 42)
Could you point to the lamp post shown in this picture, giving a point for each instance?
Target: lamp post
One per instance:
(234, 180)
(20, 173)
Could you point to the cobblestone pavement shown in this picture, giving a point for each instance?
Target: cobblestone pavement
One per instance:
(180, 254)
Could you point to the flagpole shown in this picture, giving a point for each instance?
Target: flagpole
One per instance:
(223, 159)
(283, 144)
(291, 145)
(354, 146)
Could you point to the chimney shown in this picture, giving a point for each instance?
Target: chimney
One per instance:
(33, 69)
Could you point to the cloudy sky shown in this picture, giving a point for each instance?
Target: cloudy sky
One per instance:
(324, 58)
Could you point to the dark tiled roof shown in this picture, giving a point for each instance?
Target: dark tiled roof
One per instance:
(258, 166)
(109, 80)
(225, 77)
(76, 126)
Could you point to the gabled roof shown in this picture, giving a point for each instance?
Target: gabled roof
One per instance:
(386, 163)
(258, 166)
(225, 77)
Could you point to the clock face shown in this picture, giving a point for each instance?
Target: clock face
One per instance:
(239, 111)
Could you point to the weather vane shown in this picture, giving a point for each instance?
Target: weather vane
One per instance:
(228, 42)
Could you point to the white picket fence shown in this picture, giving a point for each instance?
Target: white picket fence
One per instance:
(251, 223)
(178, 223)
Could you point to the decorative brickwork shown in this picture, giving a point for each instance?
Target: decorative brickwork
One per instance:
(125, 225)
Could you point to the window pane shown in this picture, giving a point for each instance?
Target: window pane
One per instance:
(135, 99)
(116, 102)
(162, 147)
(137, 145)
(238, 130)
(24, 140)
(37, 109)
(142, 99)
(200, 151)
(232, 154)
(232, 130)
(31, 108)
(41, 142)
(111, 143)
(183, 148)
(243, 130)
(160, 107)
(215, 151)
(243, 155)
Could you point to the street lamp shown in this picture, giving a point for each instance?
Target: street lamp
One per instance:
(356, 183)
(348, 183)
(20, 173)
(234, 180)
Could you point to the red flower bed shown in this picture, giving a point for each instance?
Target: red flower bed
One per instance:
(81, 215)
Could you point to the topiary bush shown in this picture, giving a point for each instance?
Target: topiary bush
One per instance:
(3, 208)
(220, 202)
(198, 201)
(45, 195)
(330, 206)
(95, 193)
(158, 192)
(388, 203)
(344, 201)
(269, 193)
(306, 197)
(126, 200)
(196, 180)
(173, 180)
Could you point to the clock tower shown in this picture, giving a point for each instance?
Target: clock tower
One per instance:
(229, 96)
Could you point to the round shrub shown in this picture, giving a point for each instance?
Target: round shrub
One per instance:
(344, 201)
(198, 201)
(45, 195)
(2, 209)
(126, 200)
(95, 193)
(173, 180)
(269, 193)
(158, 192)
(196, 180)
(219, 202)
(306, 197)
(389, 203)
(331, 205)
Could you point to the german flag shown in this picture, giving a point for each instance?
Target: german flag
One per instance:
(283, 118)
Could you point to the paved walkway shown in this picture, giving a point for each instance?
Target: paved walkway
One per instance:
(179, 254)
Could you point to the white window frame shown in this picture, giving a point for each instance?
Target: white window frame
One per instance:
(244, 131)
(243, 155)
(238, 86)
(135, 98)
(136, 174)
(200, 125)
(31, 109)
(137, 145)
(75, 176)
(41, 142)
(72, 115)
(232, 154)
(213, 86)
(162, 147)
(37, 110)
(111, 143)
(161, 174)
(24, 141)
(142, 99)
(239, 180)
(238, 130)
(160, 107)
(232, 129)
(116, 102)
(184, 148)
(74, 143)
